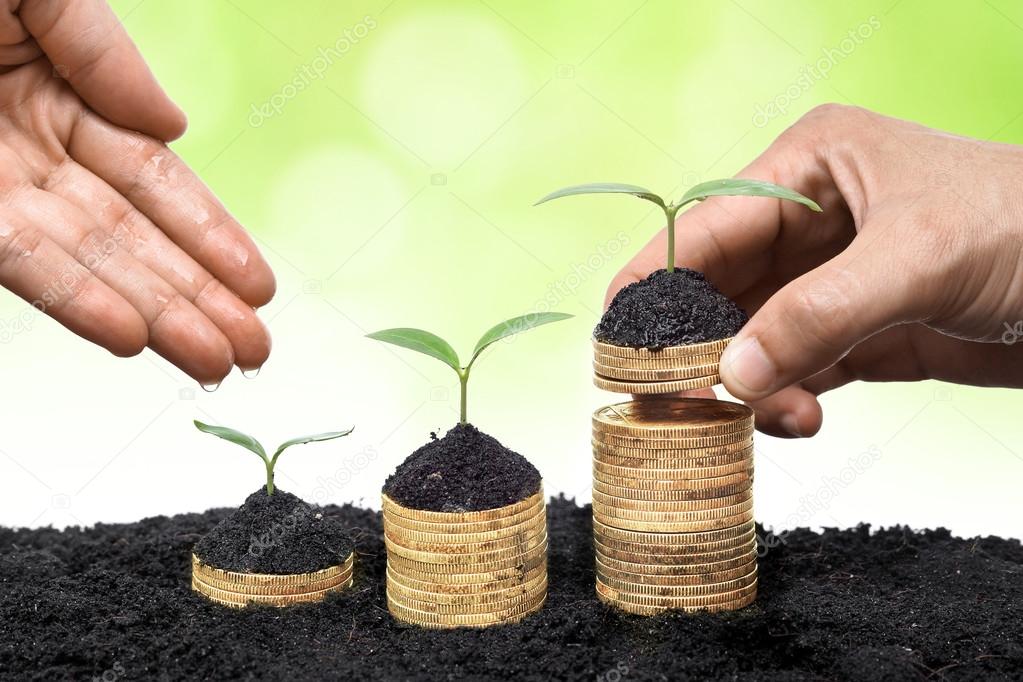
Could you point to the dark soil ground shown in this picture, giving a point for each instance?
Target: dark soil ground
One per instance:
(112, 602)
(669, 309)
(466, 470)
(277, 534)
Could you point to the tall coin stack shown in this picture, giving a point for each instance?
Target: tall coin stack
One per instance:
(468, 569)
(645, 372)
(673, 505)
(239, 589)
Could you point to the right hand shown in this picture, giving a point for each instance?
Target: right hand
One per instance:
(914, 271)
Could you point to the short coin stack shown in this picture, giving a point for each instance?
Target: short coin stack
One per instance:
(239, 589)
(466, 569)
(673, 505)
(645, 372)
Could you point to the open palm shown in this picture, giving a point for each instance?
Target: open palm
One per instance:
(104, 228)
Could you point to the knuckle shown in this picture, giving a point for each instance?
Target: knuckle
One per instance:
(822, 313)
(19, 241)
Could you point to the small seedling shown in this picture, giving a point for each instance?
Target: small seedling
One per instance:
(713, 188)
(434, 346)
(250, 443)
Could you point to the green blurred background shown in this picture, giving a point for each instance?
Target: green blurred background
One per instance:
(386, 156)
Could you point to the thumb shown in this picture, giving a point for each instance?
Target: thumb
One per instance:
(812, 322)
(88, 46)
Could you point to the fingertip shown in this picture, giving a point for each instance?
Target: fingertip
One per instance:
(176, 124)
(133, 337)
(260, 286)
(747, 371)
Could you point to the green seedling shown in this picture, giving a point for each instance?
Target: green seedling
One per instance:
(253, 445)
(713, 188)
(430, 344)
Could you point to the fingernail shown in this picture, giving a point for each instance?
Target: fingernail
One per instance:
(791, 425)
(251, 373)
(748, 365)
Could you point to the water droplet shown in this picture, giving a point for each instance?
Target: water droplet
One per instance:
(251, 373)
(26, 253)
(210, 387)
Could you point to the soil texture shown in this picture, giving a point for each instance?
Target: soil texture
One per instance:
(669, 309)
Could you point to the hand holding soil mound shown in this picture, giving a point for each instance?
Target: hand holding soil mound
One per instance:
(275, 534)
(669, 309)
(466, 470)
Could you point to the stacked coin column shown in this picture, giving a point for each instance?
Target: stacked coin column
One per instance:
(672, 488)
(239, 589)
(468, 569)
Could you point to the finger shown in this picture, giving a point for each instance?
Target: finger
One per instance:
(177, 330)
(161, 186)
(88, 45)
(812, 322)
(792, 412)
(16, 45)
(147, 244)
(39, 271)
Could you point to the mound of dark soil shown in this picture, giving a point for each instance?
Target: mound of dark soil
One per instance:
(276, 534)
(669, 309)
(113, 602)
(466, 470)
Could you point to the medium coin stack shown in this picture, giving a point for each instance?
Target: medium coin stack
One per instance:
(673, 505)
(645, 372)
(239, 589)
(466, 569)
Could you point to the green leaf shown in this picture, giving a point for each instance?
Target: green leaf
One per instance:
(421, 342)
(742, 187)
(302, 440)
(236, 437)
(604, 188)
(514, 326)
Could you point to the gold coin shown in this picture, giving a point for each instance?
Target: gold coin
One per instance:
(482, 602)
(674, 602)
(711, 578)
(454, 539)
(456, 574)
(669, 352)
(677, 526)
(617, 440)
(235, 599)
(635, 493)
(670, 505)
(621, 478)
(667, 564)
(469, 609)
(704, 590)
(658, 461)
(432, 585)
(724, 452)
(654, 387)
(719, 607)
(656, 363)
(540, 538)
(437, 620)
(400, 586)
(269, 579)
(675, 374)
(608, 504)
(673, 549)
(493, 526)
(475, 542)
(499, 513)
(660, 514)
(241, 588)
(661, 538)
(673, 418)
(674, 473)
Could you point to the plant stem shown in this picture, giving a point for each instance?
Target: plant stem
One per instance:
(670, 212)
(269, 477)
(463, 379)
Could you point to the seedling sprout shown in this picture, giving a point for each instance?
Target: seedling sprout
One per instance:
(253, 445)
(713, 188)
(434, 346)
